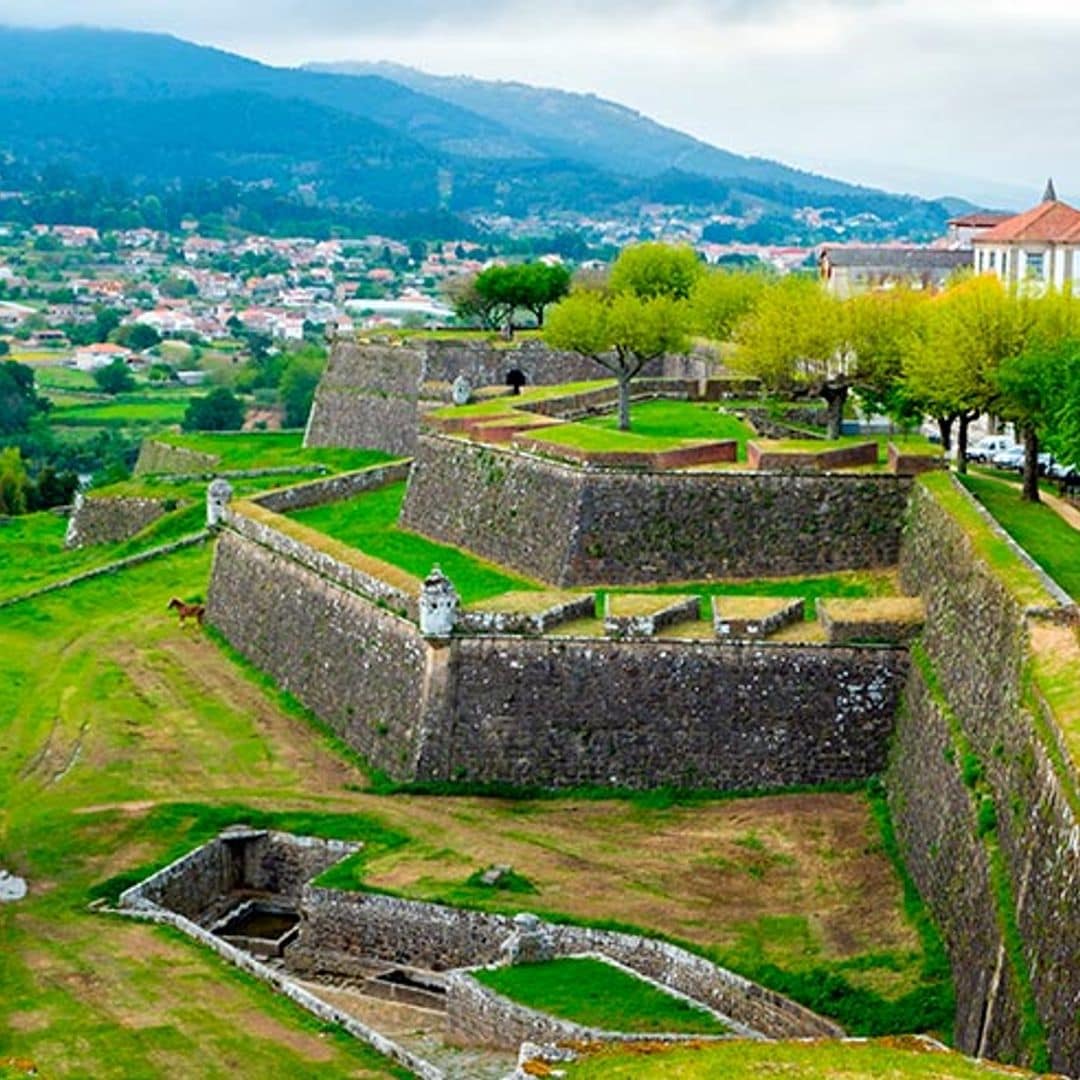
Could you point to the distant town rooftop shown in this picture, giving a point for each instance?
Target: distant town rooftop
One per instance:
(894, 257)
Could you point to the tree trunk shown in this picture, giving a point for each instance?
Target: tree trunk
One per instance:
(945, 424)
(962, 442)
(835, 396)
(1031, 465)
(624, 400)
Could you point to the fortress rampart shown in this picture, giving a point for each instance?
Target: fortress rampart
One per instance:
(575, 526)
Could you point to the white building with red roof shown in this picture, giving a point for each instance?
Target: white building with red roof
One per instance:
(1040, 247)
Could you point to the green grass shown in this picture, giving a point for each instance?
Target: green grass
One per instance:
(1010, 569)
(853, 584)
(504, 405)
(125, 411)
(587, 437)
(32, 551)
(63, 378)
(272, 449)
(885, 1059)
(369, 523)
(1050, 540)
(680, 420)
(596, 994)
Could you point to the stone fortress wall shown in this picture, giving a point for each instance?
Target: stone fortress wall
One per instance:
(973, 734)
(371, 393)
(509, 709)
(108, 520)
(573, 526)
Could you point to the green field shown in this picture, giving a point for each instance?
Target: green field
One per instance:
(596, 994)
(127, 410)
(885, 1059)
(676, 420)
(369, 523)
(272, 449)
(1050, 540)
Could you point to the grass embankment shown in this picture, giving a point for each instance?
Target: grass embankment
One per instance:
(1050, 540)
(598, 995)
(885, 1059)
(506, 405)
(369, 523)
(272, 449)
(126, 410)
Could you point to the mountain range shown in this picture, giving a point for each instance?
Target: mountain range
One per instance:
(154, 110)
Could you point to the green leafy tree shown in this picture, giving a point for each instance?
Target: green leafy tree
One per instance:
(297, 387)
(793, 340)
(14, 483)
(137, 336)
(19, 402)
(114, 378)
(964, 335)
(622, 332)
(652, 269)
(721, 298)
(220, 410)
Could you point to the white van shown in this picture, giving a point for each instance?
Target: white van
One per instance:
(990, 445)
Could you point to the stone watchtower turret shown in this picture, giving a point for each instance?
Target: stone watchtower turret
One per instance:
(438, 605)
(218, 495)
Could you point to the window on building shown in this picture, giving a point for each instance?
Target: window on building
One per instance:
(1035, 263)
(993, 260)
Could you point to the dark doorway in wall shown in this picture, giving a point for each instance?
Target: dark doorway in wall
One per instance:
(516, 379)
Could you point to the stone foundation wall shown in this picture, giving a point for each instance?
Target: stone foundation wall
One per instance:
(109, 519)
(339, 928)
(571, 526)
(984, 813)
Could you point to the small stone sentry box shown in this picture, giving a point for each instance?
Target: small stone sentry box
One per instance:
(218, 495)
(438, 605)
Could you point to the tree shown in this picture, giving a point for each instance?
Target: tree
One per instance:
(296, 390)
(220, 410)
(651, 269)
(622, 332)
(965, 334)
(469, 306)
(138, 336)
(721, 298)
(19, 402)
(14, 483)
(532, 286)
(793, 340)
(114, 378)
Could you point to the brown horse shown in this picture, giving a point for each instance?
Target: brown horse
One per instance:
(187, 611)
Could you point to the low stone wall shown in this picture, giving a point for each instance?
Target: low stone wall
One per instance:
(766, 456)
(109, 519)
(340, 928)
(332, 488)
(480, 621)
(156, 456)
(725, 450)
(571, 526)
(893, 620)
(984, 801)
(908, 464)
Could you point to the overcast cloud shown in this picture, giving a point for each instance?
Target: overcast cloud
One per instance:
(974, 97)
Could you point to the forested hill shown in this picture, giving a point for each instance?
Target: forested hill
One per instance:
(154, 111)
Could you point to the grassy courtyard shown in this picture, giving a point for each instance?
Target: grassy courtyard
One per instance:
(596, 994)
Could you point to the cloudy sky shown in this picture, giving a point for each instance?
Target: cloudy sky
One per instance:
(974, 97)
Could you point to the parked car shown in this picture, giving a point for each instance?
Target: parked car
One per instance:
(988, 446)
(1059, 470)
(1012, 458)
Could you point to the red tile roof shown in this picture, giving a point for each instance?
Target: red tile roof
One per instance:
(1049, 222)
(980, 219)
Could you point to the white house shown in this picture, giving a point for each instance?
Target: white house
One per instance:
(1040, 247)
(99, 355)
